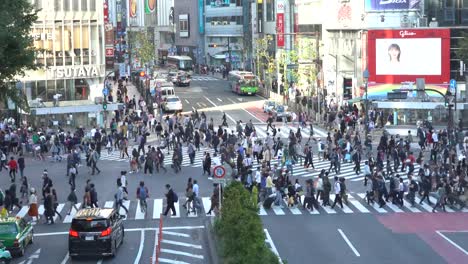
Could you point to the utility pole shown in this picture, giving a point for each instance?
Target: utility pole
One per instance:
(365, 75)
(317, 71)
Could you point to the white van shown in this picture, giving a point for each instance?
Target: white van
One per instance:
(167, 91)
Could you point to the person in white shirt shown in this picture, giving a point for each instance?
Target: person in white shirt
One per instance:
(401, 190)
(258, 178)
(123, 180)
(337, 188)
(367, 172)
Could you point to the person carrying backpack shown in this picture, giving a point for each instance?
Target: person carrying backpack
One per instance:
(142, 193)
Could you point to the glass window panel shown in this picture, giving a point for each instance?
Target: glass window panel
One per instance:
(449, 3)
(84, 5)
(92, 5)
(58, 5)
(61, 89)
(66, 5)
(41, 90)
(50, 90)
(75, 5)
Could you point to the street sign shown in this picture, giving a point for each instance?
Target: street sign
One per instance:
(292, 66)
(219, 172)
(397, 95)
(105, 92)
(453, 86)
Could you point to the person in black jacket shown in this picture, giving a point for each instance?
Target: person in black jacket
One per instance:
(207, 164)
(170, 197)
(49, 211)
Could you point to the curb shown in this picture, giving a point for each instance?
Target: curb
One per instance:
(211, 241)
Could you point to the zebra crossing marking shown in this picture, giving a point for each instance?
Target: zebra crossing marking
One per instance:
(413, 209)
(72, 214)
(157, 208)
(345, 208)
(357, 204)
(374, 205)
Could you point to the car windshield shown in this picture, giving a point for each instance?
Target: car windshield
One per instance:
(280, 108)
(172, 100)
(271, 103)
(9, 228)
(95, 225)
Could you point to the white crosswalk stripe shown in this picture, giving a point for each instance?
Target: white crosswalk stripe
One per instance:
(357, 205)
(200, 78)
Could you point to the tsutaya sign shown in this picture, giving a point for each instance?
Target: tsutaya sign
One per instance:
(74, 72)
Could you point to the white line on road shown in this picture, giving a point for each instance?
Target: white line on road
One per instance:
(165, 260)
(99, 261)
(349, 243)
(172, 242)
(65, 259)
(182, 253)
(175, 234)
(219, 99)
(272, 245)
(128, 230)
(199, 105)
(230, 117)
(187, 101)
(140, 250)
(451, 242)
(261, 121)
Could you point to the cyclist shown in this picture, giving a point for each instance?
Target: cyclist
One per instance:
(142, 193)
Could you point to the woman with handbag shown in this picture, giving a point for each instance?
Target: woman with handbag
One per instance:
(33, 211)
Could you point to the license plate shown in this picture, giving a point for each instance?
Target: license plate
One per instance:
(250, 93)
(89, 238)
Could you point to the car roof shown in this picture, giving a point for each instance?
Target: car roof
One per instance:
(94, 213)
(10, 219)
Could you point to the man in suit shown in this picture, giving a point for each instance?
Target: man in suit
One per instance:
(170, 197)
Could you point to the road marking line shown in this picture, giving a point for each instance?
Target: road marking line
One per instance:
(240, 99)
(129, 230)
(59, 209)
(261, 210)
(175, 234)
(157, 208)
(230, 117)
(374, 205)
(272, 245)
(219, 99)
(349, 243)
(165, 260)
(206, 204)
(122, 211)
(261, 121)
(23, 211)
(140, 250)
(345, 208)
(187, 101)
(139, 214)
(278, 210)
(70, 216)
(199, 105)
(451, 242)
(172, 242)
(109, 204)
(65, 259)
(99, 261)
(176, 252)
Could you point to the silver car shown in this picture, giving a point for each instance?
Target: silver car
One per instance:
(173, 103)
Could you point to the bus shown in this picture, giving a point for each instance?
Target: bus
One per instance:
(243, 82)
(181, 63)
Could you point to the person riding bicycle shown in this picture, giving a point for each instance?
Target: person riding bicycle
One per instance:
(142, 193)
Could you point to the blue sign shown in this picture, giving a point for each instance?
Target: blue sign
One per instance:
(201, 21)
(372, 5)
(453, 86)
(105, 92)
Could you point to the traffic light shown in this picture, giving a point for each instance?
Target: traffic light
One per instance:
(104, 105)
(212, 45)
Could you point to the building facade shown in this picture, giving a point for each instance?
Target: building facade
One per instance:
(189, 30)
(69, 36)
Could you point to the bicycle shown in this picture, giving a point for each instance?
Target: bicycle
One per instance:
(143, 206)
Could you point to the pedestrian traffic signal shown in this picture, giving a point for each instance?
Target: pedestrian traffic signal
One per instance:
(104, 106)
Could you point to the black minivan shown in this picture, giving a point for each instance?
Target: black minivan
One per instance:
(95, 232)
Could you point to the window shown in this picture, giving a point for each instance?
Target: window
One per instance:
(465, 4)
(75, 5)
(66, 5)
(38, 4)
(84, 5)
(270, 10)
(184, 26)
(92, 5)
(58, 5)
(449, 3)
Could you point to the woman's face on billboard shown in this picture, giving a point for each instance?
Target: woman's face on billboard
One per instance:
(394, 54)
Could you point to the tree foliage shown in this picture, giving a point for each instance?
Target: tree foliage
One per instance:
(17, 52)
(144, 48)
(265, 61)
(240, 229)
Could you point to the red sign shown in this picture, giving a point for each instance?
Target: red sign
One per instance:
(106, 12)
(109, 52)
(280, 29)
(402, 55)
(219, 172)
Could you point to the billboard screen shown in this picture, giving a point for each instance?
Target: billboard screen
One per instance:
(372, 5)
(396, 56)
(408, 56)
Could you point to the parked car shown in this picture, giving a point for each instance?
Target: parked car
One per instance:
(280, 112)
(173, 104)
(268, 106)
(16, 234)
(95, 232)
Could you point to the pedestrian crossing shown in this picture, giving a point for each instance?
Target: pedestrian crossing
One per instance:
(202, 78)
(356, 205)
(298, 170)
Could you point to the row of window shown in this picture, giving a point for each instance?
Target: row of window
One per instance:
(66, 5)
(72, 89)
(225, 20)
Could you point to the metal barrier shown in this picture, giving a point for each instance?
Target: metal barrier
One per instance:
(158, 247)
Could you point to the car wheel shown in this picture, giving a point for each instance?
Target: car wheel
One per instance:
(7, 261)
(21, 252)
(113, 249)
(123, 235)
(32, 238)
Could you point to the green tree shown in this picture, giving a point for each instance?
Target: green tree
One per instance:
(144, 48)
(240, 229)
(17, 53)
(265, 61)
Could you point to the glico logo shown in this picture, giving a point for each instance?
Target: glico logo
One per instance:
(405, 33)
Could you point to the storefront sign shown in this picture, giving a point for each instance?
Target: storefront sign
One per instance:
(260, 16)
(280, 23)
(372, 5)
(106, 12)
(42, 36)
(201, 23)
(73, 72)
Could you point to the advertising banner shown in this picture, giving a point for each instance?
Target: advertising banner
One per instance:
(201, 23)
(132, 5)
(150, 6)
(260, 16)
(372, 5)
(106, 12)
(280, 23)
(397, 56)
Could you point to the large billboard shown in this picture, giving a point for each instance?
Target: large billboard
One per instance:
(372, 5)
(397, 56)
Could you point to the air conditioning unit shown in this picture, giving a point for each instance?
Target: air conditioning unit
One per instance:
(423, 22)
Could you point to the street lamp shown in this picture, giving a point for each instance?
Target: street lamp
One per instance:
(365, 75)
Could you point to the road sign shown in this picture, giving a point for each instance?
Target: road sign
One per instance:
(105, 92)
(219, 172)
(453, 86)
